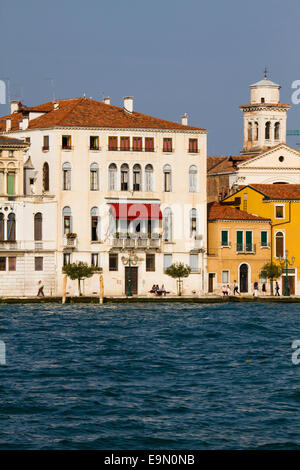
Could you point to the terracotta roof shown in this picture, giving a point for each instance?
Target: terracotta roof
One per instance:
(85, 112)
(218, 211)
(277, 191)
(12, 141)
(224, 166)
(268, 105)
(214, 161)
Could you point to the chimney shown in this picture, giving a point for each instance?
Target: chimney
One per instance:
(106, 100)
(8, 125)
(25, 123)
(184, 119)
(14, 107)
(55, 105)
(128, 104)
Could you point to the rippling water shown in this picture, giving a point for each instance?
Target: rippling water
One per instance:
(149, 376)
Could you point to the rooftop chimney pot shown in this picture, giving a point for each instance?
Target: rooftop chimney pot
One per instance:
(184, 119)
(128, 104)
(106, 100)
(14, 107)
(8, 125)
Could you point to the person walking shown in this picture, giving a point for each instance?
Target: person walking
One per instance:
(277, 289)
(263, 288)
(40, 289)
(235, 288)
(255, 293)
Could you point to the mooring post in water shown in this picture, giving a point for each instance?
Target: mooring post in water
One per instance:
(101, 289)
(63, 300)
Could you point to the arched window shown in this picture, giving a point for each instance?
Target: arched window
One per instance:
(11, 183)
(46, 176)
(267, 130)
(124, 177)
(67, 220)
(193, 222)
(279, 245)
(94, 177)
(137, 177)
(38, 222)
(250, 131)
(167, 225)
(192, 179)
(149, 178)
(95, 224)
(66, 176)
(112, 177)
(11, 227)
(1, 226)
(276, 130)
(167, 178)
(256, 131)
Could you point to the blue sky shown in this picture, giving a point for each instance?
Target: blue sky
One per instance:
(196, 56)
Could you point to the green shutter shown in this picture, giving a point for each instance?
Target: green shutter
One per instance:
(10, 184)
(248, 241)
(264, 238)
(239, 241)
(224, 238)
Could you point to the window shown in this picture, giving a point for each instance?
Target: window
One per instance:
(192, 179)
(66, 259)
(279, 212)
(124, 177)
(67, 220)
(38, 222)
(167, 178)
(1, 182)
(167, 225)
(262, 100)
(12, 263)
(112, 177)
(256, 131)
(94, 177)
(94, 142)
(95, 260)
(194, 262)
(193, 221)
(66, 142)
(279, 245)
(263, 238)
(113, 143)
(224, 238)
(149, 178)
(276, 130)
(46, 177)
(11, 227)
(27, 140)
(11, 184)
(38, 263)
(125, 143)
(2, 263)
(10, 153)
(249, 246)
(267, 130)
(149, 144)
(137, 144)
(137, 176)
(225, 277)
(150, 262)
(250, 131)
(95, 224)
(167, 261)
(239, 240)
(167, 145)
(113, 261)
(193, 145)
(1, 226)
(66, 176)
(45, 142)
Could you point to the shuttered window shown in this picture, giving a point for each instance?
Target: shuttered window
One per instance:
(249, 241)
(12, 263)
(38, 222)
(264, 238)
(150, 262)
(38, 263)
(224, 237)
(239, 241)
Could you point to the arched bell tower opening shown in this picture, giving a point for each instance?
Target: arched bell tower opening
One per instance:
(264, 117)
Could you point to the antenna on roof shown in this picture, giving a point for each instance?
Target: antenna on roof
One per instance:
(265, 72)
(103, 95)
(51, 80)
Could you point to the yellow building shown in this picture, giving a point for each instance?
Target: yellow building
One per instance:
(237, 249)
(281, 204)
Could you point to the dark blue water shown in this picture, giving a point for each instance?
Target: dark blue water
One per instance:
(147, 376)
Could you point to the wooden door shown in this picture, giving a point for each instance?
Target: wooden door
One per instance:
(291, 284)
(134, 279)
(244, 278)
(211, 277)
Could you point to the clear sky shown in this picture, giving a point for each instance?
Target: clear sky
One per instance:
(173, 56)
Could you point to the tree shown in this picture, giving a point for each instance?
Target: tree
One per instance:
(78, 271)
(177, 271)
(271, 271)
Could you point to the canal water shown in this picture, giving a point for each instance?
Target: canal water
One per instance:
(150, 376)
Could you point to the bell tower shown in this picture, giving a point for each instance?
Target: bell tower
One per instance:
(264, 117)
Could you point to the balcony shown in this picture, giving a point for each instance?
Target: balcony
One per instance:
(248, 248)
(11, 245)
(136, 243)
(130, 149)
(70, 242)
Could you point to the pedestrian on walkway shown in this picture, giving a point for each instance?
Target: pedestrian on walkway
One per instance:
(277, 289)
(255, 286)
(41, 289)
(235, 288)
(263, 288)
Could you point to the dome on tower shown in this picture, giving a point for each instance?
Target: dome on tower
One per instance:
(265, 82)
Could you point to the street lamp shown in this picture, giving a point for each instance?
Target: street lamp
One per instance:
(130, 260)
(285, 262)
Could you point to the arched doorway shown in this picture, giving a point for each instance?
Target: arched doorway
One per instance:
(244, 277)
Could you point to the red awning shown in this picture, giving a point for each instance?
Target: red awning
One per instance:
(136, 211)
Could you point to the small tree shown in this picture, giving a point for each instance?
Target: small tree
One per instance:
(78, 271)
(177, 271)
(271, 271)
